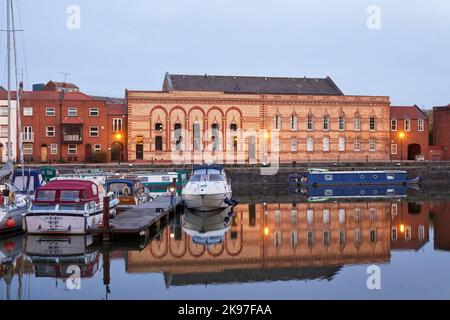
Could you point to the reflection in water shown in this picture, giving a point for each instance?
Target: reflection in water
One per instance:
(260, 242)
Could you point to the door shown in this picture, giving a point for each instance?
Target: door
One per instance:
(1, 152)
(44, 153)
(88, 153)
(139, 152)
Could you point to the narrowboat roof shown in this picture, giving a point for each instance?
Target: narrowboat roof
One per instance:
(27, 172)
(357, 172)
(68, 185)
(129, 181)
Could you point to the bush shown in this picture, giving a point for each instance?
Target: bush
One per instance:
(99, 157)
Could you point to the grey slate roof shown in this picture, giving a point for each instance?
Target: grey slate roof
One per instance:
(258, 85)
(110, 100)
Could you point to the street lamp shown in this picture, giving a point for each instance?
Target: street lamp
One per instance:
(118, 137)
(401, 136)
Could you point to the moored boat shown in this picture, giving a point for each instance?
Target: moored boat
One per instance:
(159, 183)
(67, 207)
(129, 192)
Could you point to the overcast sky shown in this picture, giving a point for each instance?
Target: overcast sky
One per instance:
(132, 43)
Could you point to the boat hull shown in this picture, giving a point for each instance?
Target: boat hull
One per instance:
(207, 202)
(17, 216)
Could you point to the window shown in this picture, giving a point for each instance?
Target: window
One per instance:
(372, 144)
(326, 238)
(277, 121)
(310, 144)
(4, 132)
(373, 235)
(277, 216)
(408, 233)
(407, 125)
(28, 111)
(372, 123)
(310, 216)
(94, 112)
(326, 216)
(420, 125)
(394, 125)
(326, 123)
(50, 112)
(358, 236)
(341, 143)
(310, 238)
(326, 144)
(357, 215)
(97, 147)
(294, 122)
(3, 111)
(357, 144)
(158, 126)
(50, 131)
(421, 232)
(341, 123)
(117, 125)
(373, 215)
(294, 145)
(394, 209)
(278, 238)
(393, 148)
(328, 177)
(72, 149)
(394, 233)
(28, 134)
(93, 132)
(357, 123)
(158, 143)
(28, 148)
(72, 112)
(294, 215)
(215, 137)
(342, 237)
(53, 149)
(197, 137)
(310, 123)
(341, 216)
(294, 239)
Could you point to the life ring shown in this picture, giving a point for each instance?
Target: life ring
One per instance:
(126, 191)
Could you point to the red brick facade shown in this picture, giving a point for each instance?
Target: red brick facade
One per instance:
(117, 132)
(441, 131)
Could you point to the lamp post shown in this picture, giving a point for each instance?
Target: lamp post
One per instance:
(118, 137)
(402, 136)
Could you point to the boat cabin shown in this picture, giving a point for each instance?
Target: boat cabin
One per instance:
(68, 192)
(129, 191)
(28, 180)
(208, 173)
(158, 183)
(49, 172)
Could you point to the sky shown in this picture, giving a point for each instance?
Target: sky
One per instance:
(131, 44)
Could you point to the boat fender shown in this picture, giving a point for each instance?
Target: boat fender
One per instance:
(10, 223)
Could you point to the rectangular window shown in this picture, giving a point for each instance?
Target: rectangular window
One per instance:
(72, 149)
(50, 131)
(93, 132)
(50, 112)
(294, 238)
(408, 233)
(326, 238)
(294, 145)
(394, 209)
(310, 216)
(394, 125)
(277, 121)
(357, 123)
(341, 123)
(28, 111)
(310, 144)
(393, 148)
(407, 125)
(394, 234)
(72, 112)
(28, 148)
(326, 144)
(342, 237)
(294, 215)
(97, 147)
(3, 111)
(326, 216)
(357, 144)
(358, 236)
(326, 123)
(372, 124)
(328, 177)
(53, 149)
(94, 112)
(277, 216)
(341, 143)
(117, 124)
(373, 215)
(373, 235)
(357, 215)
(420, 125)
(310, 123)
(372, 144)
(421, 233)
(294, 123)
(4, 132)
(310, 238)
(341, 216)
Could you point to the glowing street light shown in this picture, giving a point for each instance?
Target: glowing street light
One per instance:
(401, 136)
(118, 136)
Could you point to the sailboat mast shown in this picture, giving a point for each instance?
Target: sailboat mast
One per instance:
(8, 62)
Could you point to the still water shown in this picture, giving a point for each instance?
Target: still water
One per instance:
(261, 250)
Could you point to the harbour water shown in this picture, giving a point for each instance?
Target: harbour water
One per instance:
(270, 248)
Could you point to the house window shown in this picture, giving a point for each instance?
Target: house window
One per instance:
(341, 143)
(94, 112)
(393, 148)
(357, 215)
(158, 143)
(394, 235)
(310, 216)
(54, 148)
(372, 144)
(72, 112)
(357, 123)
(3, 111)
(373, 215)
(341, 216)
(197, 136)
(294, 239)
(215, 137)
(372, 123)
(4, 132)
(294, 145)
(278, 238)
(357, 144)
(408, 233)
(50, 112)
(341, 123)
(294, 215)
(326, 238)
(28, 134)
(50, 131)
(277, 216)
(310, 123)
(117, 125)
(97, 147)
(310, 144)
(342, 237)
(394, 125)
(28, 111)
(28, 148)
(407, 125)
(294, 122)
(72, 149)
(326, 123)
(326, 144)
(420, 125)
(158, 126)
(394, 209)
(277, 121)
(358, 236)
(373, 235)
(93, 132)
(310, 238)
(421, 232)
(326, 216)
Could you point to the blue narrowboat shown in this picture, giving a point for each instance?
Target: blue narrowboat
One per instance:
(354, 192)
(320, 177)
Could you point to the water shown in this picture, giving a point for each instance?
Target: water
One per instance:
(266, 250)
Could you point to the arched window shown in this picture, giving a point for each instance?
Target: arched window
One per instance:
(233, 127)
(196, 136)
(177, 136)
(215, 136)
(158, 143)
(158, 126)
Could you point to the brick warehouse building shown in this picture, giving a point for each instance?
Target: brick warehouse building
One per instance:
(441, 132)
(255, 120)
(409, 133)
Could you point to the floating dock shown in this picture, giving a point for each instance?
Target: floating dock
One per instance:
(138, 221)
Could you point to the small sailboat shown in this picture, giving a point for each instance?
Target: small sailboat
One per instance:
(208, 189)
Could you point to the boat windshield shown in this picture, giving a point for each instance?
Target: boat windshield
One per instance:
(206, 171)
(46, 195)
(121, 189)
(70, 195)
(206, 177)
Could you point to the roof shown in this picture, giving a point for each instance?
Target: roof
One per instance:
(110, 100)
(55, 95)
(68, 185)
(117, 109)
(407, 112)
(244, 84)
(128, 181)
(58, 84)
(72, 120)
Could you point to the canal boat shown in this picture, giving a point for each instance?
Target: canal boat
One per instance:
(49, 172)
(208, 189)
(129, 192)
(322, 177)
(159, 183)
(67, 207)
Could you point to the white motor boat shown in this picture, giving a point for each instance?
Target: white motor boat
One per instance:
(208, 189)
